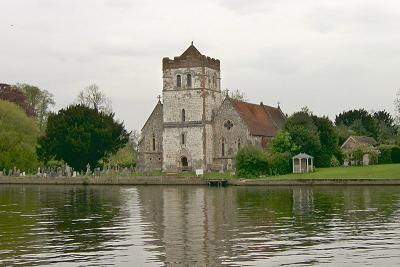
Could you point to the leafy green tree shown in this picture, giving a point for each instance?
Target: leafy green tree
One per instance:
(40, 100)
(11, 94)
(304, 133)
(125, 156)
(283, 142)
(80, 135)
(251, 162)
(359, 120)
(18, 137)
(329, 140)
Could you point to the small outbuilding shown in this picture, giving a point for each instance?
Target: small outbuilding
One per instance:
(363, 144)
(303, 163)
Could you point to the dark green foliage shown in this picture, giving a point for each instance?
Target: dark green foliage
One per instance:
(304, 133)
(396, 154)
(279, 163)
(251, 162)
(329, 141)
(385, 156)
(384, 117)
(359, 120)
(80, 135)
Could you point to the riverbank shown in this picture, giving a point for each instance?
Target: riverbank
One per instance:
(168, 180)
(369, 175)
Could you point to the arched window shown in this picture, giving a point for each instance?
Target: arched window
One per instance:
(189, 80)
(223, 147)
(183, 138)
(154, 142)
(239, 143)
(183, 115)
(178, 81)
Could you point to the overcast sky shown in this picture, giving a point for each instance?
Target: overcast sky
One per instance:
(328, 55)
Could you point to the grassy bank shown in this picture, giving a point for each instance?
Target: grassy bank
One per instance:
(386, 171)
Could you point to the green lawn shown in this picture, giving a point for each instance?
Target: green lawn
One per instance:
(373, 171)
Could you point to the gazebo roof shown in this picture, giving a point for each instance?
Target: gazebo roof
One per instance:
(302, 156)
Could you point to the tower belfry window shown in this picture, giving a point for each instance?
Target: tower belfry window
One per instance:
(189, 80)
(183, 115)
(178, 81)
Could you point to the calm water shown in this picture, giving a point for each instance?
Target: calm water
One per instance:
(199, 226)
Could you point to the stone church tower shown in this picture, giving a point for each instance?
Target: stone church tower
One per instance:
(193, 127)
(191, 97)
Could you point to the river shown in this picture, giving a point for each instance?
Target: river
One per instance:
(199, 226)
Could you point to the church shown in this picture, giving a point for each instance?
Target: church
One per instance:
(195, 126)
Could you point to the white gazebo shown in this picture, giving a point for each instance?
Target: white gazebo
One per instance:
(303, 163)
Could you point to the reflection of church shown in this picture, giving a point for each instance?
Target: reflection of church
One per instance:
(194, 127)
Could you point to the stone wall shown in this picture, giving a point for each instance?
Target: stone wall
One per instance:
(191, 100)
(149, 157)
(234, 136)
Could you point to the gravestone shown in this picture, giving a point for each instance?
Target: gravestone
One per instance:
(67, 170)
(88, 172)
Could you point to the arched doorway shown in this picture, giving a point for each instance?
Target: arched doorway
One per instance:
(184, 162)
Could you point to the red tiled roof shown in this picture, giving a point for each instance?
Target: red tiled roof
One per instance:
(261, 120)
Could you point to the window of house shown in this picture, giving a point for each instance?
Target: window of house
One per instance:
(223, 147)
(154, 142)
(189, 80)
(183, 115)
(178, 81)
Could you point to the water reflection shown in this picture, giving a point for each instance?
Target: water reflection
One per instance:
(252, 225)
(199, 226)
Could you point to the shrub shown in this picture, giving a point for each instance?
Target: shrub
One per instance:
(335, 162)
(385, 156)
(396, 154)
(251, 162)
(279, 163)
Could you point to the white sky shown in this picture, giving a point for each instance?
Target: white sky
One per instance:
(328, 55)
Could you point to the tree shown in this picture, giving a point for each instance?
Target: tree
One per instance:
(236, 95)
(359, 120)
(18, 137)
(8, 93)
(397, 106)
(39, 100)
(304, 133)
(80, 135)
(92, 97)
(329, 140)
(126, 156)
(251, 162)
(283, 142)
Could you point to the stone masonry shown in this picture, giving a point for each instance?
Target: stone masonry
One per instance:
(194, 128)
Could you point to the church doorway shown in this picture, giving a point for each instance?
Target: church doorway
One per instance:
(184, 162)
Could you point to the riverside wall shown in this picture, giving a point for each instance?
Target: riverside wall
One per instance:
(177, 180)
